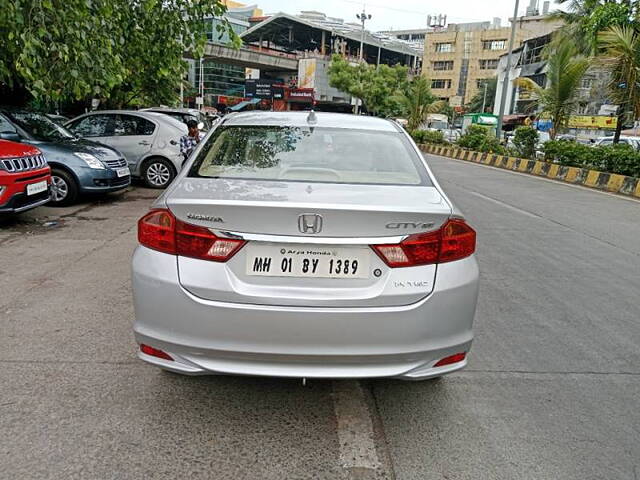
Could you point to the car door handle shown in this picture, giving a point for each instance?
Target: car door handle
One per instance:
(173, 142)
(144, 143)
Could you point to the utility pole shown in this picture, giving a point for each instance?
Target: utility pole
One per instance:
(484, 98)
(363, 17)
(505, 82)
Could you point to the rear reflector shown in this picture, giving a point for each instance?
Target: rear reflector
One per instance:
(161, 231)
(453, 241)
(154, 352)
(458, 357)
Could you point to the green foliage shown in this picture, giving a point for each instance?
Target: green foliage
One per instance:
(621, 56)
(128, 50)
(479, 139)
(377, 87)
(475, 104)
(418, 102)
(428, 136)
(525, 141)
(621, 159)
(565, 69)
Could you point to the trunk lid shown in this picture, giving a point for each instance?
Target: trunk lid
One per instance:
(352, 218)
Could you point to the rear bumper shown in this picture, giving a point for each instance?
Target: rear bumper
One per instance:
(207, 337)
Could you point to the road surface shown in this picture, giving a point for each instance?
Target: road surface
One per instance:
(552, 390)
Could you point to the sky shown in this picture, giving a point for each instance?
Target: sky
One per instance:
(401, 14)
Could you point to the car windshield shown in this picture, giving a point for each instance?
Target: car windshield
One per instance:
(310, 154)
(40, 126)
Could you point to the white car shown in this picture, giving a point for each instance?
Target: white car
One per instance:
(150, 142)
(624, 140)
(300, 244)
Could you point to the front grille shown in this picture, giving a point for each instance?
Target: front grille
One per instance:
(120, 162)
(23, 164)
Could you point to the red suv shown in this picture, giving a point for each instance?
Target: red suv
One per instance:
(25, 177)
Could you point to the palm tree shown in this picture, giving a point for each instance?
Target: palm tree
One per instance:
(558, 98)
(418, 102)
(621, 55)
(583, 19)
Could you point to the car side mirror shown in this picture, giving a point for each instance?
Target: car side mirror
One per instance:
(12, 136)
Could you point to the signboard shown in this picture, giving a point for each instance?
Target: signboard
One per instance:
(300, 95)
(598, 122)
(307, 73)
(263, 88)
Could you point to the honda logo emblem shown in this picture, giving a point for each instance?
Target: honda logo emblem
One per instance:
(310, 223)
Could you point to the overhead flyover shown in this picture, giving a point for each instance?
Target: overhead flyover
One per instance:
(251, 57)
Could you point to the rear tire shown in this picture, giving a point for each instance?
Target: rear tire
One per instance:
(158, 173)
(64, 189)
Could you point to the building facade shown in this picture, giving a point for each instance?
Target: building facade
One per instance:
(459, 58)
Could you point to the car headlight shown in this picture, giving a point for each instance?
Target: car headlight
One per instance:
(90, 160)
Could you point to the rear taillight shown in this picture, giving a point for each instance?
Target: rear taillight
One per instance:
(160, 230)
(157, 230)
(453, 241)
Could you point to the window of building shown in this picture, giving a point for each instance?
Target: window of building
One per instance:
(441, 83)
(444, 47)
(587, 82)
(480, 82)
(494, 44)
(489, 64)
(443, 65)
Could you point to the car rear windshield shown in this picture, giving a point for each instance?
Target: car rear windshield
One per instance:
(313, 154)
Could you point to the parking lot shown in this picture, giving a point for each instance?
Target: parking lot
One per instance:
(551, 391)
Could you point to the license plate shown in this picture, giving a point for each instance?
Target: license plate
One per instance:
(123, 172)
(308, 261)
(34, 188)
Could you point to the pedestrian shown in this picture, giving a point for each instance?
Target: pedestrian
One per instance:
(189, 141)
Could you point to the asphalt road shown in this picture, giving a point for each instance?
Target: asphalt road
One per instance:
(552, 390)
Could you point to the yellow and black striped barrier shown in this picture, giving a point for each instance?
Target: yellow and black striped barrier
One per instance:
(610, 182)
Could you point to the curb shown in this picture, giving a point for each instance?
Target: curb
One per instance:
(609, 182)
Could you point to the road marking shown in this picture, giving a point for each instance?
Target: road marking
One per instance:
(505, 205)
(355, 427)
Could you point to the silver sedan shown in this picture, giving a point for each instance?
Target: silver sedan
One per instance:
(301, 244)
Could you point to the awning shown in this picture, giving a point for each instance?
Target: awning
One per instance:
(239, 106)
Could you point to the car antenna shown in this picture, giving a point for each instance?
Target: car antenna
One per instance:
(311, 118)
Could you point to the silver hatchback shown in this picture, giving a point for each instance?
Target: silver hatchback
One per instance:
(149, 141)
(301, 244)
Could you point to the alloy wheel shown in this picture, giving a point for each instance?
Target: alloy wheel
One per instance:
(59, 188)
(158, 174)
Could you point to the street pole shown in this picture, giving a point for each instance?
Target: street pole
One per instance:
(363, 17)
(484, 98)
(505, 82)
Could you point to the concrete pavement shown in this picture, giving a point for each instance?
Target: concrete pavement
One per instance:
(551, 391)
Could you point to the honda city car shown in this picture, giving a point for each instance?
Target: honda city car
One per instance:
(303, 244)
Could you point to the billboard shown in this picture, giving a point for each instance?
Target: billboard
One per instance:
(263, 88)
(307, 73)
(597, 122)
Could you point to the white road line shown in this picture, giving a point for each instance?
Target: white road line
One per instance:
(505, 205)
(355, 428)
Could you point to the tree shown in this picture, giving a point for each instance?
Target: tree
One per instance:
(475, 104)
(73, 49)
(375, 86)
(621, 55)
(584, 19)
(558, 99)
(418, 102)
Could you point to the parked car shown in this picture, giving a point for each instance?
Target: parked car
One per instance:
(149, 141)
(77, 166)
(184, 115)
(301, 244)
(624, 140)
(25, 177)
